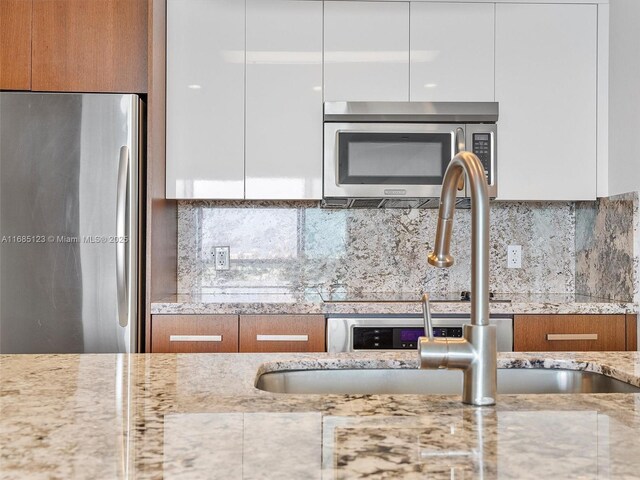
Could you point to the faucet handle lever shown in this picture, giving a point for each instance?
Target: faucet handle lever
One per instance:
(426, 314)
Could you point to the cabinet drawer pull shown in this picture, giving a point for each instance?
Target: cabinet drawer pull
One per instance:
(572, 336)
(282, 338)
(195, 338)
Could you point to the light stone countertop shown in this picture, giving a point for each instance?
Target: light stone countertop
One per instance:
(199, 416)
(311, 302)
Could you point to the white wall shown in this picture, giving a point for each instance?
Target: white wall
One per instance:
(624, 96)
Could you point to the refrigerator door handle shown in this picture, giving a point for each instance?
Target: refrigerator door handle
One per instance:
(121, 237)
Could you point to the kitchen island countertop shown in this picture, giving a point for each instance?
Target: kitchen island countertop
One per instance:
(199, 416)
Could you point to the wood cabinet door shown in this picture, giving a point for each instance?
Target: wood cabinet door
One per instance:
(542, 333)
(194, 333)
(15, 44)
(90, 46)
(632, 332)
(282, 333)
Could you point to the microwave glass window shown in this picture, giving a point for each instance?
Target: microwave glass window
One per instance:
(393, 158)
(408, 159)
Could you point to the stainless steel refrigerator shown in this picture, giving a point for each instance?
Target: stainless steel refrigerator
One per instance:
(69, 195)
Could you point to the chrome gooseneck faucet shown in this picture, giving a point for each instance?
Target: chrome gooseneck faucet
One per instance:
(475, 354)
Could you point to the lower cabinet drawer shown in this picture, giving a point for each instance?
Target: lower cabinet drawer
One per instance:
(282, 333)
(540, 333)
(194, 333)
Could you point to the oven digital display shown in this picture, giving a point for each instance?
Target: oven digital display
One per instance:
(411, 334)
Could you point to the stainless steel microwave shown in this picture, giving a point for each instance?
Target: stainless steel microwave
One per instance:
(395, 154)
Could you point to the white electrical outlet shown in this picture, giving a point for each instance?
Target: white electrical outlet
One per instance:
(514, 256)
(221, 255)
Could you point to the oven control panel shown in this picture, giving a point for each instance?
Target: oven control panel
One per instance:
(396, 338)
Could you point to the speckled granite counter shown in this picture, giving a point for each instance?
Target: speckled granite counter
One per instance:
(310, 302)
(199, 416)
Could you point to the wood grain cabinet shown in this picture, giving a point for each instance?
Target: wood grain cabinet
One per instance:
(230, 333)
(74, 45)
(15, 44)
(194, 333)
(89, 46)
(540, 333)
(282, 333)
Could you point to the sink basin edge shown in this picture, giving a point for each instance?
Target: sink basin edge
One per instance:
(397, 376)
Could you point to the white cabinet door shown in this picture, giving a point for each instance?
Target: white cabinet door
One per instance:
(366, 51)
(546, 67)
(452, 52)
(284, 100)
(205, 98)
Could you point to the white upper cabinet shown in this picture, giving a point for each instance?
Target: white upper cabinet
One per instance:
(546, 70)
(205, 98)
(452, 52)
(366, 51)
(284, 100)
(246, 80)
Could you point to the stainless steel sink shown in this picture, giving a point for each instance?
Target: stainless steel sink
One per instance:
(436, 382)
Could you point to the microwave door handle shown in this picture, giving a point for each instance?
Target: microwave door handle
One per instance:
(337, 157)
(460, 141)
(460, 146)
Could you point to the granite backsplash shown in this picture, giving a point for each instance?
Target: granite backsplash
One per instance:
(608, 248)
(298, 244)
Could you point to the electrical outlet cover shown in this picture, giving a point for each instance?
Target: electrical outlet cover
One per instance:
(221, 258)
(514, 256)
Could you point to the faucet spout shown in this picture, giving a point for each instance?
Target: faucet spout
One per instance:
(476, 353)
(467, 162)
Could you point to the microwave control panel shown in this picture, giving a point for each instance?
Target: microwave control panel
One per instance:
(396, 338)
(482, 149)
